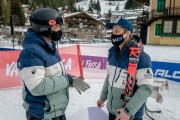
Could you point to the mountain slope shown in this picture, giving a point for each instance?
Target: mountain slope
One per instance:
(104, 5)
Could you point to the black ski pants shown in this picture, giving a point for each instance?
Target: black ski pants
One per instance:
(31, 117)
(113, 117)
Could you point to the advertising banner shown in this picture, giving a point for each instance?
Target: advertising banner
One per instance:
(71, 57)
(9, 72)
(8, 69)
(94, 62)
(166, 70)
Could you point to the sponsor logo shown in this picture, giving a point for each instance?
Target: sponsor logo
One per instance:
(148, 74)
(117, 39)
(167, 74)
(91, 64)
(11, 69)
(33, 71)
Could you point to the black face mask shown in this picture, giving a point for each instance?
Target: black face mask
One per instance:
(55, 36)
(46, 33)
(117, 39)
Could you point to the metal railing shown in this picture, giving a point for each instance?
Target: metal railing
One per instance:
(171, 11)
(166, 12)
(154, 14)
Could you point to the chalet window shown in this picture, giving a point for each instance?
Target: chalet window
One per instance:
(158, 29)
(178, 27)
(85, 20)
(79, 19)
(167, 28)
(74, 18)
(161, 5)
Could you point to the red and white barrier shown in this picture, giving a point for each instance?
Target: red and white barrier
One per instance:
(71, 57)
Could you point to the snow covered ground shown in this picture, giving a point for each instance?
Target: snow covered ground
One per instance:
(11, 101)
(11, 108)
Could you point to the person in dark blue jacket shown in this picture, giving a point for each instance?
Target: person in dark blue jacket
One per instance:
(117, 68)
(41, 70)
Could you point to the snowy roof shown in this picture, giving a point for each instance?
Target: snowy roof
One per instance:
(130, 18)
(71, 14)
(24, 6)
(120, 13)
(126, 10)
(131, 13)
(139, 9)
(102, 18)
(86, 14)
(93, 15)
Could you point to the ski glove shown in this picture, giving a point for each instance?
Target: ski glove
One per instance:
(78, 83)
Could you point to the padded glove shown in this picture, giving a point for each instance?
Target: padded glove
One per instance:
(78, 83)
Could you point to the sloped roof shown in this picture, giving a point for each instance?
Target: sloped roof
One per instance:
(81, 15)
(71, 14)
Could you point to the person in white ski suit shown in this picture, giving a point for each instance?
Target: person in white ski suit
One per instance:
(117, 68)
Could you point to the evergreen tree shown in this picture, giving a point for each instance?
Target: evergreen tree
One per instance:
(24, 2)
(110, 3)
(91, 4)
(136, 4)
(16, 10)
(98, 7)
(6, 12)
(109, 14)
(71, 7)
(90, 10)
(117, 7)
(1, 15)
(1, 7)
(32, 5)
(131, 4)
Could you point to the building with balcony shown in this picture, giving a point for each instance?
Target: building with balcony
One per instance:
(82, 26)
(163, 22)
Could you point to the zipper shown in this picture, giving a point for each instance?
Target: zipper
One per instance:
(54, 110)
(114, 78)
(118, 75)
